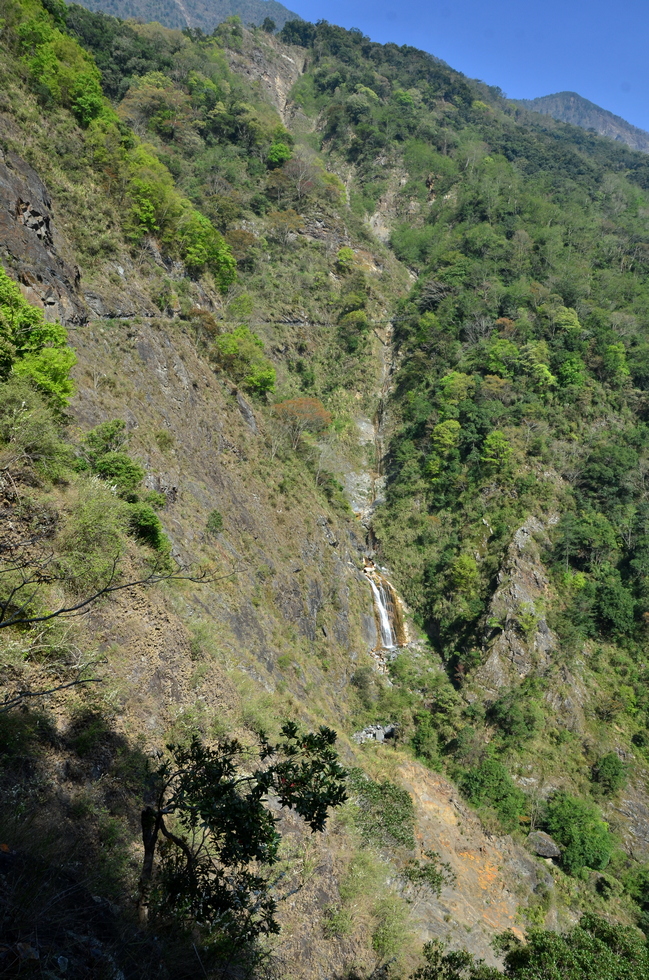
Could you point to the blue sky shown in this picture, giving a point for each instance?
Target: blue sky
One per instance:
(598, 48)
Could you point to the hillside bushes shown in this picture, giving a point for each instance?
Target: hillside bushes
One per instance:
(31, 348)
(239, 353)
(63, 74)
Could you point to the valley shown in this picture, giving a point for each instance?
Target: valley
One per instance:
(323, 402)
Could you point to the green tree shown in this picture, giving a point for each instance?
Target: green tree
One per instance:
(220, 837)
(496, 452)
(578, 827)
(593, 950)
(610, 774)
(489, 784)
(239, 353)
(33, 348)
(446, 436)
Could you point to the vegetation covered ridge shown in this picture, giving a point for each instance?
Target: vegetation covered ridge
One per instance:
(218, 432)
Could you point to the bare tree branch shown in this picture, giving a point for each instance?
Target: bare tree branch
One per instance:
(21, 697)
(21, 618)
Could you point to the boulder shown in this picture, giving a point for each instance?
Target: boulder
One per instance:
(543, 845)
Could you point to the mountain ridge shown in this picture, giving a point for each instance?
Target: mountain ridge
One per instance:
(202, 14)
(570, 107)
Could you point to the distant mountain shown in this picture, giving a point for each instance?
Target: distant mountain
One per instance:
(206, 14)
(569, 107)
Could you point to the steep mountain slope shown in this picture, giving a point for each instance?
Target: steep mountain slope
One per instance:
(569, 107)
(204, 14)
(471, 379)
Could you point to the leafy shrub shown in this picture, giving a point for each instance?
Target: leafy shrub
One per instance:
(516, 715)
(107, 437)
(239, 353)
(592, 950)
(28, 429)
(385, 812)
(489, 784)
(390, 933)
(145, 524)
(278, 154)
(91, 541)
(424, 739)
(432, 874)
(120, 470)
(610, 774)
(31, 347)
(203, 248)
(345, 260)
(580, 830)
(214, 522)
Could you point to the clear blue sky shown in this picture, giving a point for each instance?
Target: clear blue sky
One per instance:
(599, 48)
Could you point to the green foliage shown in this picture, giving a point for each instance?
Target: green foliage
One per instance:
(385, 813)
(239, 353)
(118, 469)
(107, 437)
(92, 543)
(593, 950)
(29, 430)
(496, 453)
(456, 965)
(214, 867)
(345, 260)
(610, 774)
(390, 932)
(202, 248)
(278, 154)
(354, 328)
(424, 741)
(432, 874)
(145, 524)
(578, 827)
(214, 522)
(31, 347)
(489, 784)
(516, 715)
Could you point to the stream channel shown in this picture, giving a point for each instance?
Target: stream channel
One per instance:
(365, 491)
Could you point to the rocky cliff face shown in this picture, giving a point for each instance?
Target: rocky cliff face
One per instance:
(523, 641)
(31, 245)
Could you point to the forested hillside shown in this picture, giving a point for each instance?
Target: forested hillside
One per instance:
(294, 329)
(572, 108)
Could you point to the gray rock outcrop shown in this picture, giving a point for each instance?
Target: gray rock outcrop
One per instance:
(31, 245)
(542, 844)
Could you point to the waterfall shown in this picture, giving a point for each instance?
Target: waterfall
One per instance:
(387, 634)
(388, 610)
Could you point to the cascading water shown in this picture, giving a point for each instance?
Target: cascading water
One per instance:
(388, 610)
(380, 602)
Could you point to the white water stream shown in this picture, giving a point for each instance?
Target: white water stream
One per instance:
(387, 634)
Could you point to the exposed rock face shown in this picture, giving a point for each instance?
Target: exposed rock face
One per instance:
(274, 70)
(247, 413)
(543, 845)
(631, 816)
(374, 733)
(300, 568)
(525, 641)
(491, 872)
(32, 246)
